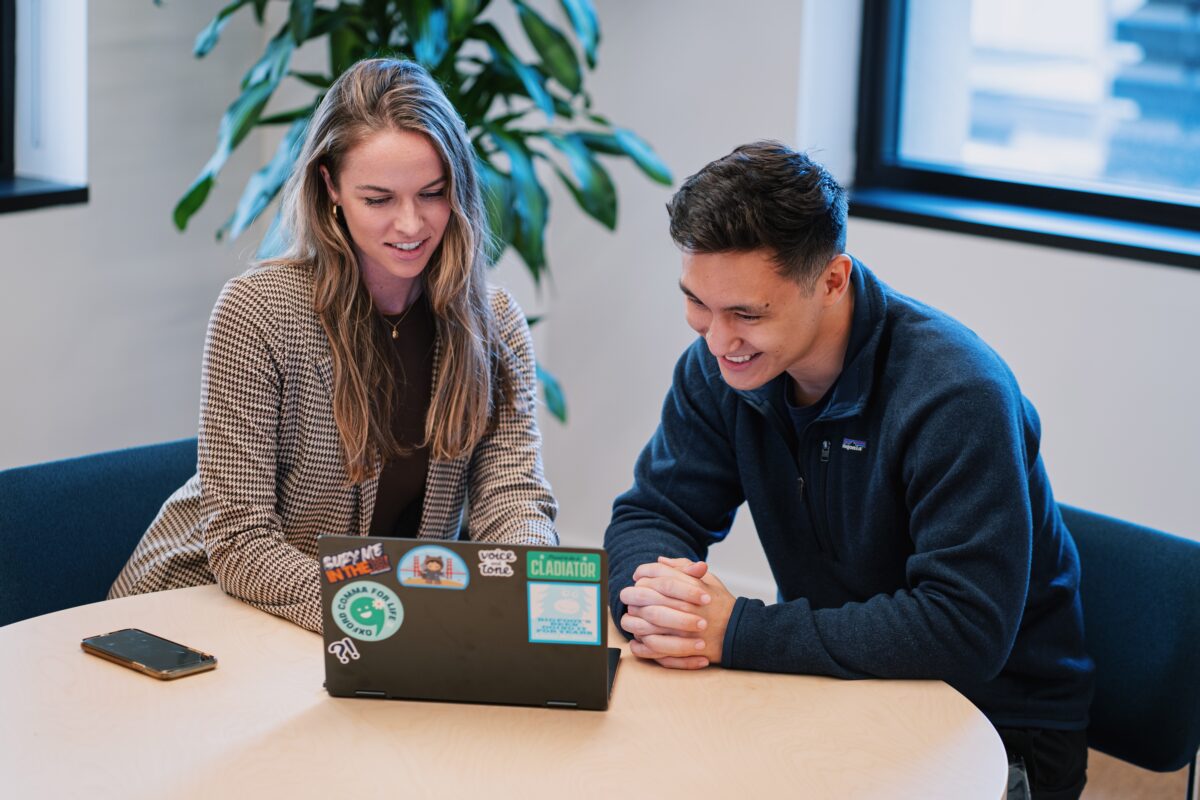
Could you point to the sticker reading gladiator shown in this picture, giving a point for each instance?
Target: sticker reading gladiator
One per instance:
(366, 560)
(367, 611)
(547, 564)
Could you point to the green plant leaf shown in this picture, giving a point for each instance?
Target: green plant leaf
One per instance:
(345, 47)
(643, 155)
(531, 78)
(430, 26)
(583, 18)
(312, 79)
(238, 120)
(498, 199)
(529, 199)
(300, 20)
(556, 401)
(288, 117)
(558, 59)
(274, 242)
(461, 14)
(601, 143)
(260, 8)
(595, 193)
(265, 184)
(192, 199)
(207, 38)
(272, 66)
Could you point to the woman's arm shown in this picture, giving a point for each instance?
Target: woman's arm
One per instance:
(510, 500)
(240, 410)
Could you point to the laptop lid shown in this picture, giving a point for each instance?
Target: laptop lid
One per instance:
(424, 619)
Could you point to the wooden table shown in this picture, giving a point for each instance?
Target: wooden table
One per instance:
(262, 726)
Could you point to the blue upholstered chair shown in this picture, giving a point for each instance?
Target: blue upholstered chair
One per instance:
(67, 527)
(1141, 614)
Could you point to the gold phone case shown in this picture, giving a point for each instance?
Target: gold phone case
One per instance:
(208, 661)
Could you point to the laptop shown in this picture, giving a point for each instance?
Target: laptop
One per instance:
(472, 622)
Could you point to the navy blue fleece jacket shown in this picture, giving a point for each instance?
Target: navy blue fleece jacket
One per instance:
(910, 528)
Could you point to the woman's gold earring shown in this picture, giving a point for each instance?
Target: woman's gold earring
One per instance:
(337, 211)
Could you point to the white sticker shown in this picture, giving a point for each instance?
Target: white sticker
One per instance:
(344, 650)
(496, 563)
(564, 613)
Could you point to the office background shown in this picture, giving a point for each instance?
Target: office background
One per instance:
(105, 304)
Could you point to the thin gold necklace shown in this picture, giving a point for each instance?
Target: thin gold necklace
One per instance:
(396, 326)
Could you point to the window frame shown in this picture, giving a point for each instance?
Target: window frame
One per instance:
(8, 85)
(885, 189)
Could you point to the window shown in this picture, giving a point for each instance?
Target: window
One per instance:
(43, 103)
(1073, 123)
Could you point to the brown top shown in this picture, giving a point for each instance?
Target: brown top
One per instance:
(401, 495)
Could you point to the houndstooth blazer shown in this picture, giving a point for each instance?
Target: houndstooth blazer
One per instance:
(270, 475)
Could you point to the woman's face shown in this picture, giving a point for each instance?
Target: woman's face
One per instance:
(392, 188)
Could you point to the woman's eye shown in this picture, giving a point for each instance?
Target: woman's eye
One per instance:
(433, 195)
(375, 201)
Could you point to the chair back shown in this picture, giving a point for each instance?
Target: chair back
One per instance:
(68, 527)
(1141, 614)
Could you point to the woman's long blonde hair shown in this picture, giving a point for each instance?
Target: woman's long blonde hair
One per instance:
(372, 96)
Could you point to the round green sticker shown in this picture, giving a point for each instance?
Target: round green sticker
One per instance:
(367, 611)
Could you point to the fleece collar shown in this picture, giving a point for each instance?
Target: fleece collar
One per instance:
(853, 386)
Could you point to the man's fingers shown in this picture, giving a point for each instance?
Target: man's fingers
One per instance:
(645, 596)
(632, 623)
(694, 568)
(688, 590)
(690, 662)
(659, 646)
(665, 617)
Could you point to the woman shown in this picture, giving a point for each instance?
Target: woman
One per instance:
(368, 381)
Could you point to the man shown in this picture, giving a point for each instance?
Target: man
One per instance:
(890, 463)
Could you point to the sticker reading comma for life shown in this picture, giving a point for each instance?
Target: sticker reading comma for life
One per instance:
(563, 566)
(564, 613)
(367, 611)
(496, 563)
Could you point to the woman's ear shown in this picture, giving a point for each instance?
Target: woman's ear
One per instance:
(329, 187)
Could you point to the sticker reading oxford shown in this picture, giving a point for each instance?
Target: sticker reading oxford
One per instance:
(367, 611)
(563, 566)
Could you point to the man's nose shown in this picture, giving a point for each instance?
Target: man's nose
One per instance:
(718, 338)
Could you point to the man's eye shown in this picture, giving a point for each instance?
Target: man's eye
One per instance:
(747, 317)
(694, 301)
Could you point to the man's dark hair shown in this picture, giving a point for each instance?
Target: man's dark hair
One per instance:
(763, 195)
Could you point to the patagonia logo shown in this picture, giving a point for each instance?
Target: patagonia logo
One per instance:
(854, 445)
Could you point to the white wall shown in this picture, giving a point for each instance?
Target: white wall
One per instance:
(104, 305)
(1102, 346)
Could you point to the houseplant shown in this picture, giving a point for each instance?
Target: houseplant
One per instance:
(526, 120)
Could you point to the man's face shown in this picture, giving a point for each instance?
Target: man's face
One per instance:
(756, 322)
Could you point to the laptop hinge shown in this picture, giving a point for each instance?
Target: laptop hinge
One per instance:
(369, 693)
(562, 704)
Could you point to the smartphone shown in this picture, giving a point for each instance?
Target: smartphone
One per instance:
(155, 656)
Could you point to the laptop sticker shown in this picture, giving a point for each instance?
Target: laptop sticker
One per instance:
(564, 613)
(563, 566)
(432, 567)
(343, 650)
(366, 560)
(367, 611)
(496, 563)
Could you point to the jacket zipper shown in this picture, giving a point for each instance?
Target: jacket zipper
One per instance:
(821, 512)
